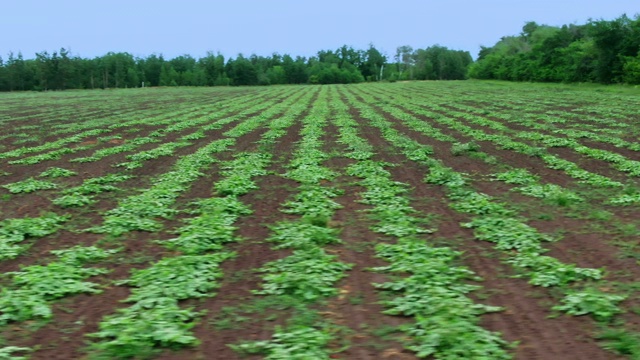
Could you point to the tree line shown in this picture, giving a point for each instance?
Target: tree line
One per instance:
(61, 70)
(599, 51)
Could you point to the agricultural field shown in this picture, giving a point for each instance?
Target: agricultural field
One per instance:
(439, 220)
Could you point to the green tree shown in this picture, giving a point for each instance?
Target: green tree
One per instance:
(296, 71)
(241, 71)
(277, 75)
(168, 75)
(372, 63)
(151, 69)
(404, 62)
(631, 69)
(213, 67)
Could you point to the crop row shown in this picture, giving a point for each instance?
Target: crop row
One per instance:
(434, 294)
(494, 222)
(309, 274)
(200, 117)
(507, 143)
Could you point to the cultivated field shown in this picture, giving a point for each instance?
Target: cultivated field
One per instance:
(446, 220)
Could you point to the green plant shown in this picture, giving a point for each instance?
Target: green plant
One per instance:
(621, 342)
(73, 200)
(29, 185)
(156, 319)
(35, 286)
(458, 149)
(308, 274)
(55, 172)
(6, 353)
(301, 234)
(297, 342)
(15, 231)
(602, 306)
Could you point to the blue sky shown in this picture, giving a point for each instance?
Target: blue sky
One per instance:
(91, 28)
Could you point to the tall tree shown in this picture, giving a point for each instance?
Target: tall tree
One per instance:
(372, 63)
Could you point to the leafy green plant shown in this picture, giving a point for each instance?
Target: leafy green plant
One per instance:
(621, 342)
(29, 185)
(298, 342)
(55, 172)
(138, 331)
(518, 177)
(602, 306)
(625, 199)
(551, 192)
(73, 200)
(35, 286)
(155, 319)
(6, 353)
(301, 235)
(313, 201)
(238, 173)
(308, 274)
(458, 149)
(15, 231)
(181, 277)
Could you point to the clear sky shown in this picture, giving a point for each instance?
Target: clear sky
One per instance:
(297, 27)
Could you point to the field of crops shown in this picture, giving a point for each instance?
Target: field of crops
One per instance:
(446, 220)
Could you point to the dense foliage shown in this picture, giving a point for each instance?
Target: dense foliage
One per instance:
(62, 70)
(598, 51)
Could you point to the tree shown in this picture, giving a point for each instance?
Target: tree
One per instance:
(372, 63)
(213, 67)
(600, 50)
(404, 61)
(151, 69)
(133, 79)
(296, 71)
(277, 75)
(168, 75)
(241, 71)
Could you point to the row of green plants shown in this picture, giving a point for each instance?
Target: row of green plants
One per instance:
(569, 107)
(156, 202)
(15, 232)
(435, 292)
(529, 184)
(155, 319)
(202, 121)
(426, 283)
(94, 126)
(80, 195)
(309, 275)
(122, 220)
(59, 113)
(138, 332)
(491, 214)
(32, 289)
(616, 337)
(605, 127)
(84, 194)
(618, 161)
(143, 211)
(552, 107)
(506, 142)
(521, 244)
(61, 146)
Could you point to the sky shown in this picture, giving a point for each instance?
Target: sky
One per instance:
(92, 28)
